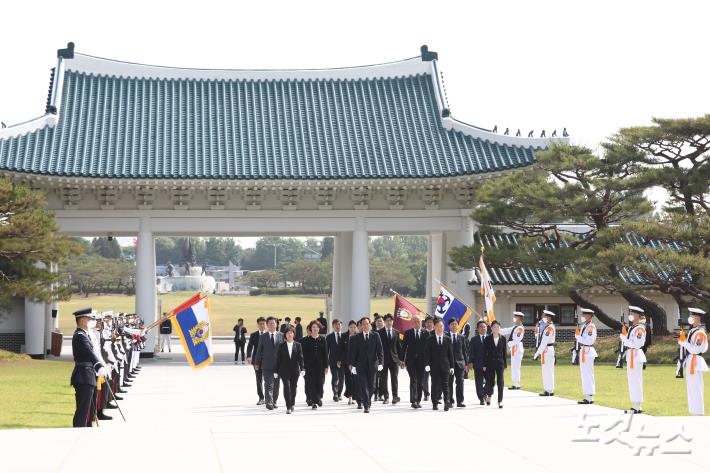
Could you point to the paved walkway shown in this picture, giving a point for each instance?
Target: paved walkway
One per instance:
(207, 420)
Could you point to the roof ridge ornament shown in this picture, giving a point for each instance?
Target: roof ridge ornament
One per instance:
(68, 52)
(428, 55)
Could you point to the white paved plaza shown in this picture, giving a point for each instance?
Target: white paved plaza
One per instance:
(207, 420)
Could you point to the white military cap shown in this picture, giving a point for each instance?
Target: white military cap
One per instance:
(587, 311)
(695, 310)
(518, 314)
(548, 312)
(633, 308)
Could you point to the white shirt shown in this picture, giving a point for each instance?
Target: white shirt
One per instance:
(495, 340)
(289, 345)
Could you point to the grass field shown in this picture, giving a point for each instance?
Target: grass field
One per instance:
(35, 393)
(225, 310)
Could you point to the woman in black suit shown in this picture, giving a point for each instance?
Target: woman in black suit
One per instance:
(289, 365)
(315, 357)
(496, 363)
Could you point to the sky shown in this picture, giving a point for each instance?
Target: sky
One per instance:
(591, 67)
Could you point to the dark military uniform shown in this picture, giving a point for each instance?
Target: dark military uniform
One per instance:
(83, 378)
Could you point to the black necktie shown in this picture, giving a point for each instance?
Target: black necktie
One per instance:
(272, 340)
(389, 334)
(416, 335)
(337, 338)
(439, 341)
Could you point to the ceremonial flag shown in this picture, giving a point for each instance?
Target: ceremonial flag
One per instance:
(448, 306)
(403, 313)
(489, 295)
(192, 321)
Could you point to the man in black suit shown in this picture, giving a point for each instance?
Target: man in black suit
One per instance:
(392, 349)
(323, 322)
(87, 365)
(265, 359)
(460, 360)
(477, 358)
(299, 329)
(429, 328)
(413, 347)
(285, 325)
(439, 359)
(252, 346)
(336, 344)
(366, 358)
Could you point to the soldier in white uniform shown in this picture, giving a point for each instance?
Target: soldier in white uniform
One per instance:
(546, 352)
(635, 358)
(585, 338)
(693, 361)
(515, 344)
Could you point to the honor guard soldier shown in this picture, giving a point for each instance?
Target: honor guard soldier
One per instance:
(515, 336)
(86, 367)
(545, 342)
(693, 361)
(633, 341)
(586, 336)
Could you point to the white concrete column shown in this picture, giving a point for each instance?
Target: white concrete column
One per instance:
(335, 283)
(458, 281)
(345, 270)
(49, 322)
(360, 302)
(34, 328)
(145, 280)
(438, 258)
(429, 283)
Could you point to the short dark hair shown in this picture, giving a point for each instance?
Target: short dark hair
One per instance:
(240, 320)
(378, 316)
(362, 319)
(335, 321)
(270, 318)
(312, 323)
(291, 329)
(260, 319)
(388, 317)
(428, 318)
(495, 322)
(352, 322)
(287, 319)
(452, 320)
(438, 320)
(297, 319)
(481, 322)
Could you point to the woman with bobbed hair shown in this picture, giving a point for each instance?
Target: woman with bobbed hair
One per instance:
(315, 358)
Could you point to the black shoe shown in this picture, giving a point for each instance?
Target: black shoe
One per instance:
(288, 411)
(395, 400)
(320, 403)
(118, 398)
(435, 407)
(545, 393)
(585, 401)
(314, 406)
(512, 388)
(367, 410)
(260, 403)
(460, 404)
(126, 385)
(121, 391)
(309, 402)
(482, 403)
(111, 406)
(488, 400)
(270, 407)
(386, 401)
(359, 406)
(276, 406)
(426, 397)
(500, 405)
(419, 406)
(633, 411)
(414, 405)
(350, 401)
(552, 394)
(446, 406)
(103, 416)
(335, 398)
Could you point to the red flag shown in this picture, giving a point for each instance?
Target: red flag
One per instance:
(403, 312)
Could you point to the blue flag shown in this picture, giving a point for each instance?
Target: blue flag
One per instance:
(449, 307)
(192, 322)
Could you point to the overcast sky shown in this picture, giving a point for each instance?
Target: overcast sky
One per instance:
(591, 67)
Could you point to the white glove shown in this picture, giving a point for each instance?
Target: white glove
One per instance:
(621, 336)
(379, 367)
(427, 369)
(276, 376)
(451, 371)
(353, 370)
(103, 371)
(303, 373)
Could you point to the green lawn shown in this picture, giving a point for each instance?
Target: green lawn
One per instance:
(35, 393)
(225, 310)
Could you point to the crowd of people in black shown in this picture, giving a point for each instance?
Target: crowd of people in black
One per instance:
(364, 361)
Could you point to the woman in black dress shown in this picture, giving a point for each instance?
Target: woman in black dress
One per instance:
(315, 358)
(289, 366)
(495, 346)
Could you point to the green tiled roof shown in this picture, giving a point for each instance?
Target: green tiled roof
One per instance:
(538, 276)
(114, 125)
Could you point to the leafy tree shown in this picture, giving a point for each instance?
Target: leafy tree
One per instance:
(570, 185)
(102, 246)
(266, 278)
(389, 273)
(315, 276)
(29, 245)
(91, 273)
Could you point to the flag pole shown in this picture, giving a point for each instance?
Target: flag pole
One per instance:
(459, 298)
(171, 313)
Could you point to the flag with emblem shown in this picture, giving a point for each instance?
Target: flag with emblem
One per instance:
(489, 295)
(403, 313)
(448, 306)
(191, 320)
